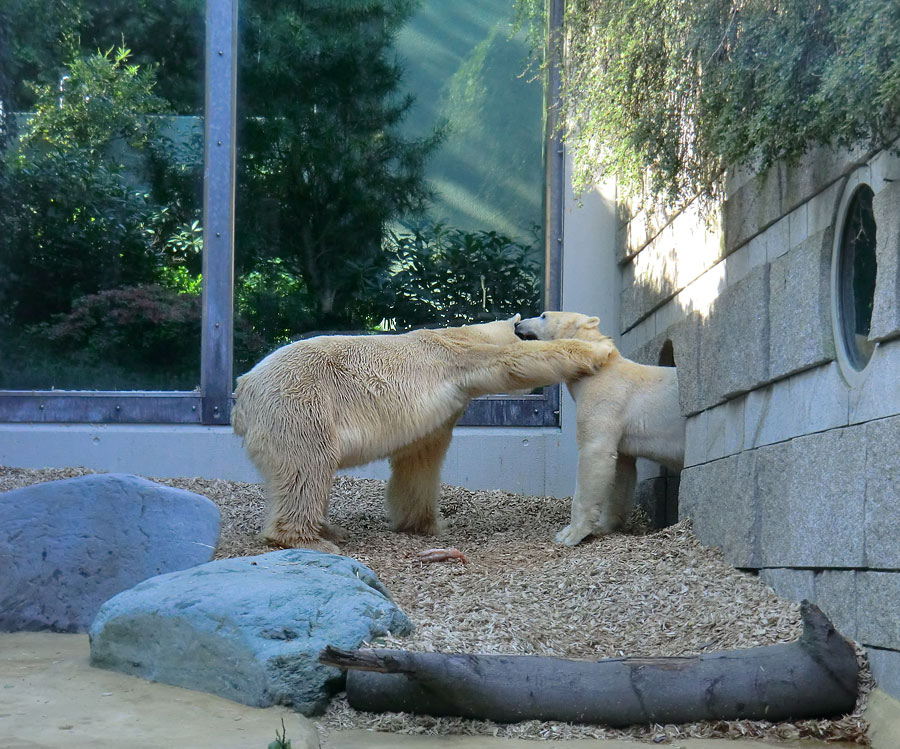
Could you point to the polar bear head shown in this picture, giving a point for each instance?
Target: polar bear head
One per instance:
(553, 325)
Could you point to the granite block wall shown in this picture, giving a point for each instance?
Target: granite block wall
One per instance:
(792, 465)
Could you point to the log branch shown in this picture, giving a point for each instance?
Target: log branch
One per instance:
(816, 676)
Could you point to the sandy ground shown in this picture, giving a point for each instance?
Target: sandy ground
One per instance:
(636, 593)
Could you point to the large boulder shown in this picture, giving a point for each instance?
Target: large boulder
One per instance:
(249, 629)
(67, 546)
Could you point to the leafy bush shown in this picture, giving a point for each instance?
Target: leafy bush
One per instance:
(450, 276)
(139, 328)
(72, 219)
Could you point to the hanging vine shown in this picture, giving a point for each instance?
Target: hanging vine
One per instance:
(665, 94)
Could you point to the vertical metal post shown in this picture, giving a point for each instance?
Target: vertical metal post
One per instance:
(218, 210)
(554, 167)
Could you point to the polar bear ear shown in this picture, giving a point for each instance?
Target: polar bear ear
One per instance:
(591, 322)
(515, 318)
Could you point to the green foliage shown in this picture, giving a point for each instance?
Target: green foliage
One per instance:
(72, 219)
(281, 740)
(450, 276)
(666, 95)
(45, 34)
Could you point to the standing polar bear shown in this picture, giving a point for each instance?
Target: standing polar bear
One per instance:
(625, 411)
(317, 405)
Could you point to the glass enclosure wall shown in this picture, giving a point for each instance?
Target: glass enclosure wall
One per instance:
(389, 174)
(390, 169)
(101, 195)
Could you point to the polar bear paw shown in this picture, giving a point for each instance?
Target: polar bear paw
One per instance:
(571, 535)
(295, 541)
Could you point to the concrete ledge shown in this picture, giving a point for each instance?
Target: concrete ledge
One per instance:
(536, 461)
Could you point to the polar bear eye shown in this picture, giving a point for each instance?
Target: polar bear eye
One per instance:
(543, 315)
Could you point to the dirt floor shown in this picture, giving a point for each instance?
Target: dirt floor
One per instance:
(636, 593)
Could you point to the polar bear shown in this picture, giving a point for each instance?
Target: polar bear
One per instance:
(317, 405)
(624, 411)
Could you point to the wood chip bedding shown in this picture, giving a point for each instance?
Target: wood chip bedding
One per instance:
(635, 593)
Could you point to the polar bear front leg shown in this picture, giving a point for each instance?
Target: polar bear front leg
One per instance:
(414, 488)
(596, 475)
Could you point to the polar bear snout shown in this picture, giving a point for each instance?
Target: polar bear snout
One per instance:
(527, 329)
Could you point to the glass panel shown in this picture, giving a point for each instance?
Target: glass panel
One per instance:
(390, 169)
(101, 195)
(858, 271)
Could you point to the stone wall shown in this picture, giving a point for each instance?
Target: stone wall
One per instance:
(792, 468)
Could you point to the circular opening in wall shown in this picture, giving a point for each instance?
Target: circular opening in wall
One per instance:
(853, 272)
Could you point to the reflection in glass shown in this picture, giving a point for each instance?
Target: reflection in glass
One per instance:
(100, 197)
(390, 169)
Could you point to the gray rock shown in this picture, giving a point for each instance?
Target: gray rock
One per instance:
(247, 629)
(67, 546)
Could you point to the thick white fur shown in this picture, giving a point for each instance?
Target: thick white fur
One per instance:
(624, 411)
(332, 402)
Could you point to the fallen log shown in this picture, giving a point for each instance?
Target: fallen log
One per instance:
(816, 676)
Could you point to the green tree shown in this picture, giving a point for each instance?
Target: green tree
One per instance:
(324, 169)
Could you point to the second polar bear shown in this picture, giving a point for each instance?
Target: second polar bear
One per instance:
(317, 405)
(624, 411)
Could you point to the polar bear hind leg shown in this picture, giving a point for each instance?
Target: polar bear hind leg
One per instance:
(414, 488)
(297, 497)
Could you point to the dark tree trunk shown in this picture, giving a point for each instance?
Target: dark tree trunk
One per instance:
(815, 676)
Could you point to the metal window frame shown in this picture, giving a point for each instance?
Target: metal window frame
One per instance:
(211, 404)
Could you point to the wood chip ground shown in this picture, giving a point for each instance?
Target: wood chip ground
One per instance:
(635, 593)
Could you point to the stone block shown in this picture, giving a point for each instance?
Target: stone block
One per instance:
(737, 265)
(883, 494)
(247, 629)
(798, 225)
(756, 249)
(685, 336)
(639, 335)
(823, 208)
(750, 209)
(719, 499)
(734, 340)
(878, 607)
(725, 429)
(797, 585)
(67, 546)
(777, 238)
(813, 504)
(648, 352)
(885, 666)
(878, 394)
(800, 333)
(810, 401)
(835, 593)
(817, 169)
(886, 308)
(695, 441)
